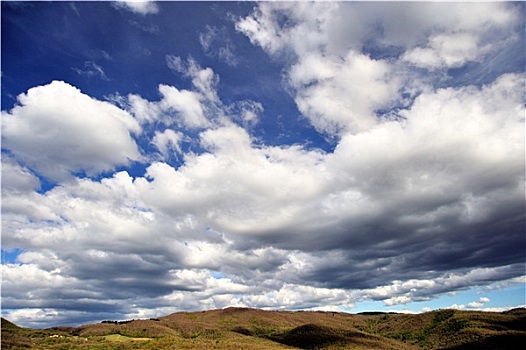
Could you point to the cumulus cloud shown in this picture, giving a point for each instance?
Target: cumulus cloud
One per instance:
(279, 26)
(57, 130)
(239, 183)
(143, 110)
(216, 211)
(478, 304)
(16, 177)
(184, 102)
(422, 195)
(338, 83)
(341, 95)
(337, 28)
(446, 51)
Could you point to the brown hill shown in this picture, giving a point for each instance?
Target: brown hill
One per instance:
(240, 328)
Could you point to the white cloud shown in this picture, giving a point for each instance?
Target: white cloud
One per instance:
(468, 133)
(184, 102)
(17, 208)
(397, 300)
(218, 209)
(16, 177)
(281, 26)
(238, 222)
(337, 86)
(167, 141)
(340, 95)
(143, 110)
(336, 28)
(475, 304)
(502, 309)
(187, 109)
(142, 7)
(57, 130)
(478, 304)
(243, 179)
(448, 51)
(175, 63)
(191, 109)
(457, 307)
(246, 112)
(203, 79)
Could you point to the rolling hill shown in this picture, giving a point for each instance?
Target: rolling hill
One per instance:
(241, 328)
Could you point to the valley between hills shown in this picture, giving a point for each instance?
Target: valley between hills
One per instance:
(243, 328)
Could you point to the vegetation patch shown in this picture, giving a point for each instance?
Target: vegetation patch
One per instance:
(123, 338)
(117, 338)
(311, 336)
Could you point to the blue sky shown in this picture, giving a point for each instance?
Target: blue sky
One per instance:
(168, 156)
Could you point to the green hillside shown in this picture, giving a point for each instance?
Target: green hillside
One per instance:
(240, 328)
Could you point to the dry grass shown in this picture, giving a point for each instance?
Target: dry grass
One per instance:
(238, 328)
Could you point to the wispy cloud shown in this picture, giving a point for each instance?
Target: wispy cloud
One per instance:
(91, 69)
(216, 43)
(149, 28)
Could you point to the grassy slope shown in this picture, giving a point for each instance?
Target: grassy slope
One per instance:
(237, 328)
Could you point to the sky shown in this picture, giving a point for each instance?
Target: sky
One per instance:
(178, 156)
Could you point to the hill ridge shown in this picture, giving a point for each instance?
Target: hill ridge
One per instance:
(250, 328)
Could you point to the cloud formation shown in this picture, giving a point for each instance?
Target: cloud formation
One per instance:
(215, 43)
(336, 49)
(57, 130)
(142, 7)
(91, 69)
(421, 195)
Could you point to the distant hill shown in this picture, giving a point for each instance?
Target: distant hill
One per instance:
(242, 328)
